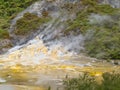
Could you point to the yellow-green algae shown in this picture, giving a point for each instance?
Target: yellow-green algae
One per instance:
(21, 73)
(28, 75)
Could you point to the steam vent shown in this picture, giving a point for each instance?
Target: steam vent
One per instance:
(59, 44)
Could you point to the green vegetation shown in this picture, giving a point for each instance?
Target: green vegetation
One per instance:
(105, 41)
(4, 34)
(28, 23)
(10, 7)
(8, 10)
(90, 6)
(84, 82)
(110, 81)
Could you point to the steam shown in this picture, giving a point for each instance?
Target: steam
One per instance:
(52, 36)
(49, 45)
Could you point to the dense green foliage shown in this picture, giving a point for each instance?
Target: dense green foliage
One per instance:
(8, 10)
(90, 6)
(4, 34)
(86, 82)
(11, 7)
(28, 23)
(105, 41)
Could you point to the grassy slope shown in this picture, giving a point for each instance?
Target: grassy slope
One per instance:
(28, 23)
(8, 10)
(105, 41)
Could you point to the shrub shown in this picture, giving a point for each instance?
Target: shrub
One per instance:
(86, 82)
(110, 81)
(81, 22)
(4, 34)
(89, 2)
(8, 10)
(83, 82)
(105, 41)
(29, 22)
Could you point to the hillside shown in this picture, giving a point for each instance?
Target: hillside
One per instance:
(98, 21)
(59, 44)
(8, 10)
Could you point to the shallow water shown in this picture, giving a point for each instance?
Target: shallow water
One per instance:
(19, 87)
(31, 77)
(33, 67)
